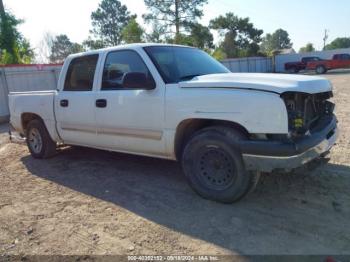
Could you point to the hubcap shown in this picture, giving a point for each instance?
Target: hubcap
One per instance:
(35, 141)
(216, 169)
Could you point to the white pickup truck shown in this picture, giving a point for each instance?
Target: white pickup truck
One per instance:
(178, 103)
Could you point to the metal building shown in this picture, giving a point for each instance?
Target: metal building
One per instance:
(249, 64)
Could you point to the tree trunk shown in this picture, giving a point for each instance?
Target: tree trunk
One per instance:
(177, 21)
(2, 9)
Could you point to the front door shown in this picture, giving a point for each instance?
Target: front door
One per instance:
(75, 103)
(129, 119)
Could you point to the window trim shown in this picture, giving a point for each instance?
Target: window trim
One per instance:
(119, 89)
(94, 77)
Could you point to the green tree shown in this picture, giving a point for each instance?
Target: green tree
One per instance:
(132, 32)
(308, 48)
(92, 44)
(63, 47)
(340, 42)
(178, 14)
(15, 49)
(241, 38)
(24, 51)
(109, 20)
(219, 54)
(157, 34)
(181, 39)
(201, 36)
(276, 41)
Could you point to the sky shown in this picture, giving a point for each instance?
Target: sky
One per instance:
(305, 20)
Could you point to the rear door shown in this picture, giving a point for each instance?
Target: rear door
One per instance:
(75, 103)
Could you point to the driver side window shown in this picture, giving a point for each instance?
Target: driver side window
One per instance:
(117, 64)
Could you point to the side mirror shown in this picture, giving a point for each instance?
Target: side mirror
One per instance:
(137, 80)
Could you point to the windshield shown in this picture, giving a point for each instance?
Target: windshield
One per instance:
(177, 64)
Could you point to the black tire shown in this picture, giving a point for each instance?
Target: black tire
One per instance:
(321, 70)
(36, 130)
(293, 70)
(213, 165)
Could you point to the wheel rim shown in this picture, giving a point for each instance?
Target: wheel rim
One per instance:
(35, 140)
(319, 70)
(216, 169)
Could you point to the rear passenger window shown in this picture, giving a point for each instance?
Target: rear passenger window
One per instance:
(80, 74)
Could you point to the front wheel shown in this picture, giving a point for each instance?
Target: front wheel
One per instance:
(213, 165)
(39, 141)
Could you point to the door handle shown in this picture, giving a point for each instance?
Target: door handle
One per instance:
(101, 103)
(64, 103)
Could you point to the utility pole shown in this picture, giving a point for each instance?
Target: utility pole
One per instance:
(325, 38)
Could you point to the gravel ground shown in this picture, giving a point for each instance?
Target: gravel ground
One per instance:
(91, 202)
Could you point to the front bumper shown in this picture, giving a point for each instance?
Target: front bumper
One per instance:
(267, 156)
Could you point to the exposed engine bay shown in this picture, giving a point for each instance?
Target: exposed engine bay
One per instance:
(307, 111)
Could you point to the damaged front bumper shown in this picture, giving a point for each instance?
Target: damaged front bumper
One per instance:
(267, 156)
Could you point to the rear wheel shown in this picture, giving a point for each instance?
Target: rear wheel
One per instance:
(321, 69)
(214, 167)
(39, 141)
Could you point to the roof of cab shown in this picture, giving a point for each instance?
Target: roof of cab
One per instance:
(126, 46)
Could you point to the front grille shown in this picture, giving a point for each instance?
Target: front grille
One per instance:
(305, 111)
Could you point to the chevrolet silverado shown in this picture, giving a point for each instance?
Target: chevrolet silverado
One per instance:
(178, 103)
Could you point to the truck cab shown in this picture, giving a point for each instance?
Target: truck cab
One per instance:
(296, 67)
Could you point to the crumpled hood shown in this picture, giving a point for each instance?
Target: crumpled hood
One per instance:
(278, 83)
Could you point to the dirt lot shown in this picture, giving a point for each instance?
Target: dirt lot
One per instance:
(93, 202)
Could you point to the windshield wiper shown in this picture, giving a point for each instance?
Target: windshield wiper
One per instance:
(189, 77)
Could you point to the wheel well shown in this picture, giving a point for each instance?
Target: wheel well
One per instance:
(187, 128)
(27, 117)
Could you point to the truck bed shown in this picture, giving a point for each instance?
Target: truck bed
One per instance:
(35, 102)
